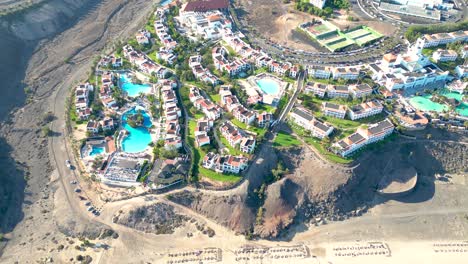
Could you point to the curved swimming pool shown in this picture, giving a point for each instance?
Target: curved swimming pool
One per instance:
(139, 137)
(132, 89)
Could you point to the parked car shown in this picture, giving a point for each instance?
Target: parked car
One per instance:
(68, 163)
(77, 190)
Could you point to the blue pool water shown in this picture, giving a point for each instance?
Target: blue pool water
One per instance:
(269, 86)
(165, 2)
(133, 89)
(96, 151)
(139, 137)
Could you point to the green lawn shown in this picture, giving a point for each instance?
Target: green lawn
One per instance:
(286, 140)
(213, 175)
(316, 143)
(215, 98)
(264, 107)
(257, 130)
(325, 153)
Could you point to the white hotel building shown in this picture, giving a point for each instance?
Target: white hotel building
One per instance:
(363, 136)
(305, 119)
(365, 110)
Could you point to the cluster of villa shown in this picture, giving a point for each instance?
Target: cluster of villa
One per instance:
(236, 136)
(210, 109)
(143, 37)
(111, 61)
(359, 111)
(172, 113)
(165, 52)
(225, 163)
(342, 91)
(143, 63)
(105, 91)
(363, 136)
(204, 125)
(258, 57)
(200, 72)
(323, 72)
(304, 118)
(82, 100)
(234, 67)
(231, 103)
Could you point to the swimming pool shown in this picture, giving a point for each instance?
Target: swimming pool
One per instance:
(132, 89)
(268, 86)
(165, 2)
(139, 137)
(462, 109)
(424, 103)
(96, 150)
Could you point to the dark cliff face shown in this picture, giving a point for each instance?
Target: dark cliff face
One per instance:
(21, 34)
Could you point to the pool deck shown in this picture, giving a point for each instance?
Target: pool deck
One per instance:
(270, 99)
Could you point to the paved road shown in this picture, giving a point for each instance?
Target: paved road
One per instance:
(292, 100)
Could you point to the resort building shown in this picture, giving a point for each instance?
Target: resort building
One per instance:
(200, 72)
(143, 63)
(222, 64)
(362, 137)
(224, 163)
(318, 3)
(411, 71)
(365, 110)
(264, 119)
(334, 110)
(247, 144)
(202, 139)
(318, 89)
(203, 126)
(107, 124)
(123, 169)
(443, 38)
(462, 71)
(111, 60)
(236, 137)
(93, 126)
(211, 110)
(360, 90)
(464, 52)
(457, 86)
(347, 73)
(444, 55)
(168, 172)
(243, 114)
(306, 120)
(81, 96)
(208, 25)
(143, 37)
(334, 91)
(319, 72)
